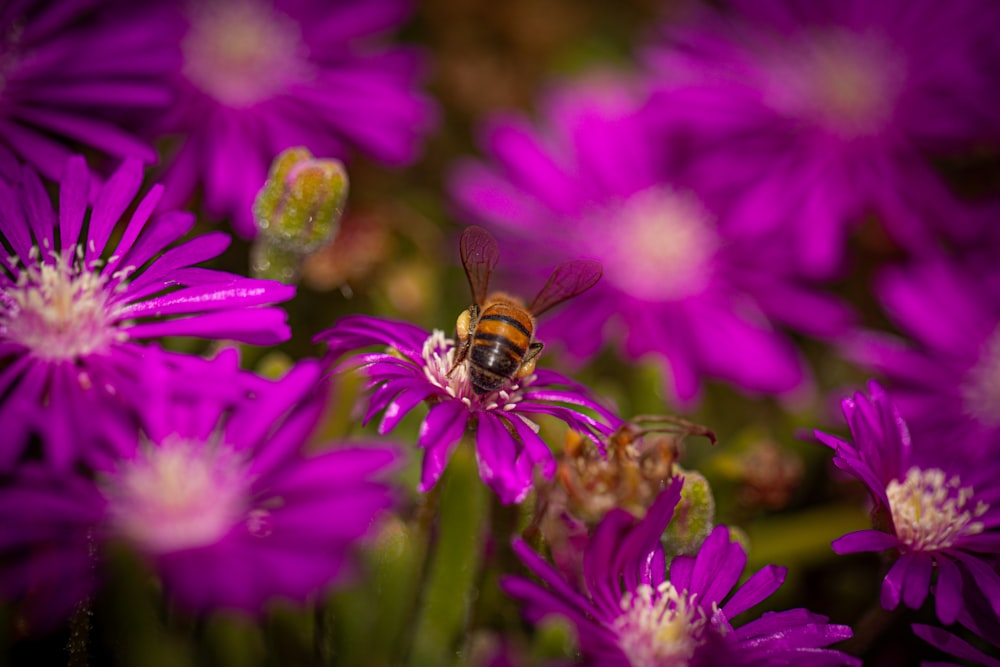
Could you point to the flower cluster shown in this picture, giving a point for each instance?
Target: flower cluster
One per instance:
(631, 613)
(755, 207)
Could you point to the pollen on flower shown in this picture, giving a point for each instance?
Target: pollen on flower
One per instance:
(241, 52)
(60, 310)
(659, 627)
(845, 82)
(981, 388)
(180, 494)
(931, 511)
(663, 245)
(439, 358)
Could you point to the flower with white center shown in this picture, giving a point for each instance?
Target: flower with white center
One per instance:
(416, 366)
(826, 114)
(942, 512)
(214, 493)
(845, 83)
(631, 611)
(680, 286)
(662, 248)
(659, 627)
(242, 52)
(260, 76)
(77, 302)
(177, 495)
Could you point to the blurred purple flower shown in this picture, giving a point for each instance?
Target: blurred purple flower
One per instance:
(214, 493)
(76, 73)
(259, 77)
(631, 614)
(592, 182)
(946, 379)
(826, 110)
(940, 511)
(74, 303)
(415, 369)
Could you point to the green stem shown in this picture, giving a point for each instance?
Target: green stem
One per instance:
(449, 588)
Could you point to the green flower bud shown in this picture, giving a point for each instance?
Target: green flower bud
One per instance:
(694, 517)
(297, 212)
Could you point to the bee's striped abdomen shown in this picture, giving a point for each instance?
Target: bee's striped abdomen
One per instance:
(499, 343)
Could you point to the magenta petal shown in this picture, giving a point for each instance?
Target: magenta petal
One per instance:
(440, 433)
(760, 586)
(948, 591)
(864, 540)
(256, 326)
(953, 645)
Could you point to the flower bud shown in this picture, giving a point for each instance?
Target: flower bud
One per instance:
(694, 517)
(297, 212)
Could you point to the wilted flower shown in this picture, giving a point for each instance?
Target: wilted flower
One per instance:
(74, 304)
(261, 76)
(214, 493)
(630, 613)
(592, 182)
(826, 110)
(946, 378)
(418, 367)
(71, 73)
(936, 510)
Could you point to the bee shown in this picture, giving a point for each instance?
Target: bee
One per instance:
(497, 332)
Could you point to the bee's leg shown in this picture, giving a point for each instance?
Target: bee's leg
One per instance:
(529, 359)
(466, 324)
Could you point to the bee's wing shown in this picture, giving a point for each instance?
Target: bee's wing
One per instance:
(568, 280)
(479, 257)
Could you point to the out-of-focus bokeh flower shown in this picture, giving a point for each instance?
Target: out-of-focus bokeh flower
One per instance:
(260, 76)
(76, 299)
(827, 110)
(630, 613)
(935, 510)
(214, 493)
(74, 74)
(589, 180)
(418, 367)
(945, 378)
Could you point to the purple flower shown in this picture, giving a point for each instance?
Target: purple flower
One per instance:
(827, 110)
(417, 368)
(630, 614)
(259, 77)
(591, 182)
(939, 510)
(946, 378)
(74, 304)
(72, 72)
(213, 492)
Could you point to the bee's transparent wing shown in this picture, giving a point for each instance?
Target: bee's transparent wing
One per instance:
(567, 280)
(479, 257)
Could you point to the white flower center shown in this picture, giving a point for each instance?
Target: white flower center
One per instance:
(845, 82)
(439, 355)
(981, 388)
(660, 247)
(60, 310)
(929, 510)
(241, 52)
(180, 494)
(661, 627)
